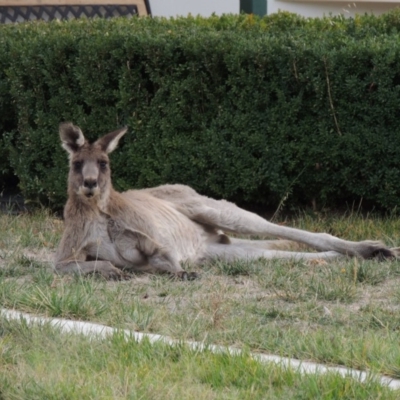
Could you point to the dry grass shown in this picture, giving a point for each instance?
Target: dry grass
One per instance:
(344, 312)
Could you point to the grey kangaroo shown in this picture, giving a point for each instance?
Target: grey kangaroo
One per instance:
(159, 229)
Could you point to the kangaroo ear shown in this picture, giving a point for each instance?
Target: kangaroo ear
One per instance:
(71, 137)
(109, 142)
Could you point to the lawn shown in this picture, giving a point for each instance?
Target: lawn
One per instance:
(344, 312)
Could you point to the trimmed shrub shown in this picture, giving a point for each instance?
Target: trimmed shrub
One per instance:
(251, 109)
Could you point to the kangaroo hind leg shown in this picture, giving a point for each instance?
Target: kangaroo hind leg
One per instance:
(236, 251)
(228, 217)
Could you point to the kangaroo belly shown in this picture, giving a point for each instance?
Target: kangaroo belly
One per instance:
(168, 227)
(184, 236)
(101, 247)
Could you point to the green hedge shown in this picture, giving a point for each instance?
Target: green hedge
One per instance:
(250, 109)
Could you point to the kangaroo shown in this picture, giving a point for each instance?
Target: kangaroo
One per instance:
(159, 229)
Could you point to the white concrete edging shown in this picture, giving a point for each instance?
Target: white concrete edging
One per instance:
(91, 329)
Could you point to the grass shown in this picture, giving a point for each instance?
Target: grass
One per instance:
(74, 367)
(344, 312)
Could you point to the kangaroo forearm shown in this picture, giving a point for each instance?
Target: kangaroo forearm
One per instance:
(84, 267)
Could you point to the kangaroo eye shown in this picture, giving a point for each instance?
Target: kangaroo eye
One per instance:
(77, 165)
(103, 164)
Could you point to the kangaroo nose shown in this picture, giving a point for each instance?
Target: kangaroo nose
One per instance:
(90, 183)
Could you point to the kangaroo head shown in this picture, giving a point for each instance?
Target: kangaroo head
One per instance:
(89, 174)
